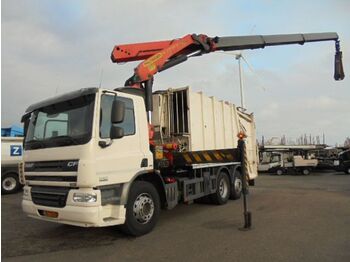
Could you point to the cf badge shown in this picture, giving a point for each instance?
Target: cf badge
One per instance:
(72, 164)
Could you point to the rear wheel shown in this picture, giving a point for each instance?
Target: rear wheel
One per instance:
(142, 209)
(10, 183)
(236, 188)
(223, 189)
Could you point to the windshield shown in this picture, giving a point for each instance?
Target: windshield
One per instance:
(62, 124)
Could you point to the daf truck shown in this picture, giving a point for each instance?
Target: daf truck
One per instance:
(98, 157)
(89, 160)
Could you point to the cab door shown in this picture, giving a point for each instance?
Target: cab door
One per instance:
(120, 159)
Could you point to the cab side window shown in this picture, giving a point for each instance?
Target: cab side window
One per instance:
(105, 119)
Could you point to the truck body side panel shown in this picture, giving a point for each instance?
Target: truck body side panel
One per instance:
(212, 124)
(11, 151)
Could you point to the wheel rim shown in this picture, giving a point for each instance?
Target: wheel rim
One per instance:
(279, 172)
(9, 183)
(349, 170)
(143, 208)
(238, 185)
(223, 188)
(306, 172)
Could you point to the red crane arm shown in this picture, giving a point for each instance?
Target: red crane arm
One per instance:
(138, 51)
(157, 55)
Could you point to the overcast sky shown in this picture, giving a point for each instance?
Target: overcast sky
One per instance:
(51, 47)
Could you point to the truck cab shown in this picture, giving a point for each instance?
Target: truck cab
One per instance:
(78, 162)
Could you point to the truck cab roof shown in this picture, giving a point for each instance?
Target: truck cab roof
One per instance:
(61, 98)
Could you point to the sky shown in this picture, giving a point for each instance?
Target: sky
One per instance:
(52, 47)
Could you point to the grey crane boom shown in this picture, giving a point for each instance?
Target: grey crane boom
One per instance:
(230, 43)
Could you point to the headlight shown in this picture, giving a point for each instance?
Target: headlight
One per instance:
(85, 197)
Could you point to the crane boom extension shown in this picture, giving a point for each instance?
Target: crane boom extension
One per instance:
(161, 55)
(230, 43)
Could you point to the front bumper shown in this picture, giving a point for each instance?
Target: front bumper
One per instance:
(78, 214)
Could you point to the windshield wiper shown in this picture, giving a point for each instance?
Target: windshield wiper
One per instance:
(64, 139)
(33, 144)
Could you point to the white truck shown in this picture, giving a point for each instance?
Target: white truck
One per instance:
(287, 159)
(88, 159)
(11, 159)
(96, 157)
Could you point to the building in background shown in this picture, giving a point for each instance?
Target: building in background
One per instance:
(12, 131)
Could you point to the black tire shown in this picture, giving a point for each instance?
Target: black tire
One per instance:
(236, 187)
(305, 171)
(279, 171)
(223, 189)
(347, 170)
(10, 183)
(144, 197)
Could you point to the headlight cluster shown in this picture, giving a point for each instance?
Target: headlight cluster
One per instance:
(84, 197)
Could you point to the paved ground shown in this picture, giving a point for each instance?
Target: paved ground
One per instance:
(295, 218)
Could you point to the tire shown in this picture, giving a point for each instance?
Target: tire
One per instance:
(142, 209)
(347, 170)
(305, 172)
(10, 183)
(236, 187)
(223, 189)
(279, 172)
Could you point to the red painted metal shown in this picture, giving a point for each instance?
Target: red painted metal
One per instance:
(156, 54)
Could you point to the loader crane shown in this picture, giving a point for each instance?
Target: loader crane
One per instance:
(161, 55)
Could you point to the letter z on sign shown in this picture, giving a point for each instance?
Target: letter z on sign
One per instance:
(15, 150)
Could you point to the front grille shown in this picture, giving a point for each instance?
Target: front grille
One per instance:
(49, 196)
(52, 178)
(52, 166)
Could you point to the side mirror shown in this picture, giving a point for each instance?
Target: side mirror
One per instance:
(118, 112)
(116, 132)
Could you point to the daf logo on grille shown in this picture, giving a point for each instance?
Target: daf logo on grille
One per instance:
(72, 163)
(29, 165)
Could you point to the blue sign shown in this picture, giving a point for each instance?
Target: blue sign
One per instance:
(16, 150)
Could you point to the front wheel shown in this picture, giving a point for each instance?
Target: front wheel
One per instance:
(279, 172)
(142, 209)
(306, 172)
(10, 183)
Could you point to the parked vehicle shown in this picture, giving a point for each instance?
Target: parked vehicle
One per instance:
(288, 159)
(97, 157)
(88, 159)
(11, 157)
(344, 162)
